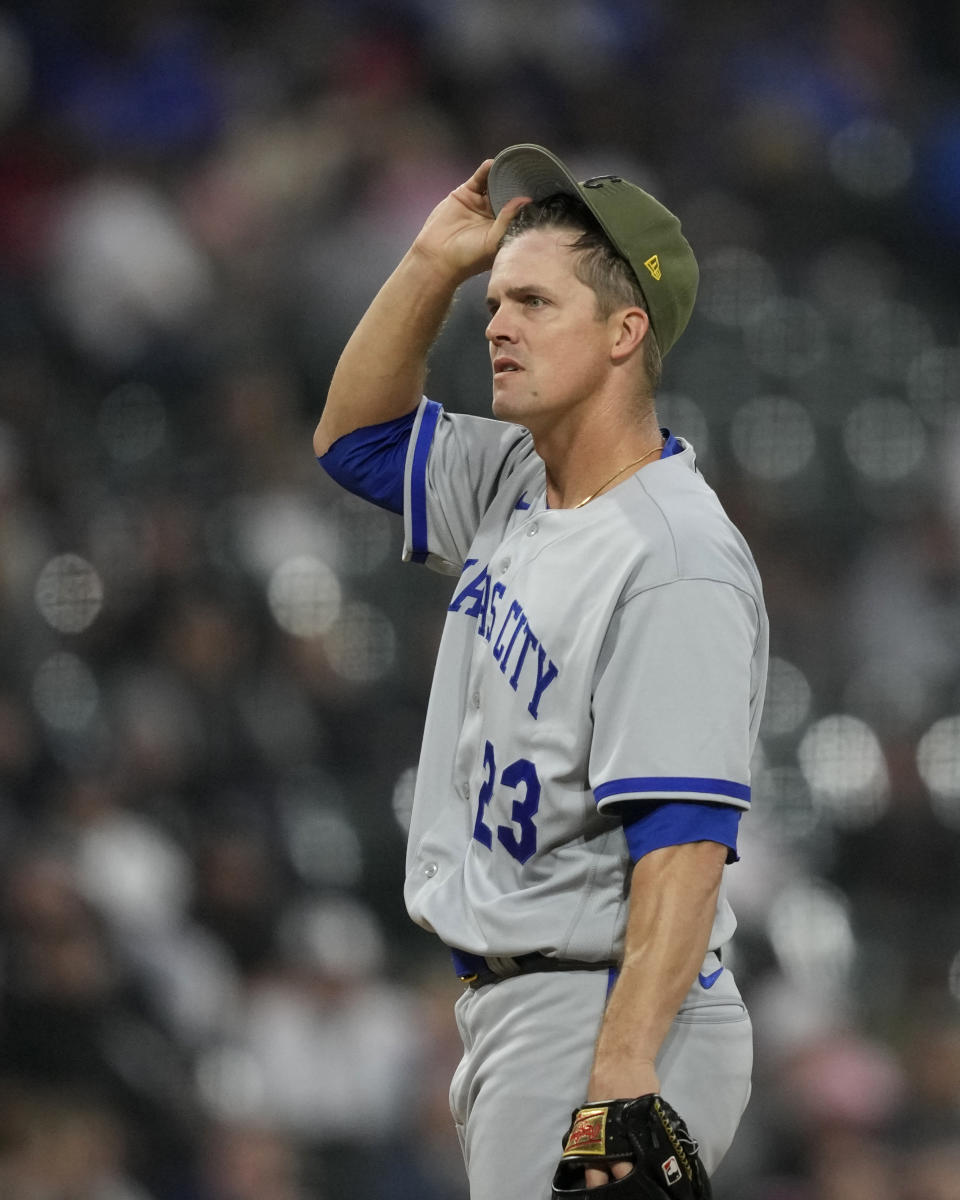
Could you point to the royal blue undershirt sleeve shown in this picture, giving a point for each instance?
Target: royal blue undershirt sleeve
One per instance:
(676, 822)
(370, 461)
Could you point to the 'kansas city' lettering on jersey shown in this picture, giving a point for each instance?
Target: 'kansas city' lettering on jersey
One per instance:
(481, 596)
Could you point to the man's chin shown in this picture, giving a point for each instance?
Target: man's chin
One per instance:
(504, 410)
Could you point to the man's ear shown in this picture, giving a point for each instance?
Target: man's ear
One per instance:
(629, 328)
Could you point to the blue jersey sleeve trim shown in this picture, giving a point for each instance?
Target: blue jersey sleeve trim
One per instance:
(659, 785)
(678, 822)
(370, 461)
(418, 481)
(671, 445)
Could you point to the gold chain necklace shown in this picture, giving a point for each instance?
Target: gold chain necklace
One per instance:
(636, 462)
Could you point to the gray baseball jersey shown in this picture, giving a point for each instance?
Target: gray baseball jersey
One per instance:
(591, 658)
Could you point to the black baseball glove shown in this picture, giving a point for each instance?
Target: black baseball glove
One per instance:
(645, 1132)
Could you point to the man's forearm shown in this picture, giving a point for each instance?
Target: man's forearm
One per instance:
(382, 369)
(673, 902)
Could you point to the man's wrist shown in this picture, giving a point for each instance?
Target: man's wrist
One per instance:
(435, 270)
(623, 1082)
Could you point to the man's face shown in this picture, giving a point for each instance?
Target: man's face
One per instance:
(549, 351)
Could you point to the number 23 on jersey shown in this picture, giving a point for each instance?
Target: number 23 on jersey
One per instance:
(520, 836)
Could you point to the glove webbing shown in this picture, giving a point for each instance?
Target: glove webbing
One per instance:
(674, 1139)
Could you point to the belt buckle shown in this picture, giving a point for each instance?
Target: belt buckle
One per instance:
(503, 965)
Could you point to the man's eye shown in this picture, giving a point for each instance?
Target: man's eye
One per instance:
(534, 301)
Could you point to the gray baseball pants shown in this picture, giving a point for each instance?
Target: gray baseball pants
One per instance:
(528, 1050)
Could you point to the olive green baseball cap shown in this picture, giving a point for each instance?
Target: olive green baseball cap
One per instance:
(638, 226)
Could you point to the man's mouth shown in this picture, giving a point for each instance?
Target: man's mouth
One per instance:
(503, 365)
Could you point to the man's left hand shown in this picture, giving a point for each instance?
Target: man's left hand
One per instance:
(644, 1137)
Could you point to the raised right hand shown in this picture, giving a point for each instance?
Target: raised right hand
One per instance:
(461, 235)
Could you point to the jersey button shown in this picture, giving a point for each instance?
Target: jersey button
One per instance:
(430, 870)
(505, 566)
(533, 530)
(475, 699)
(466, 791)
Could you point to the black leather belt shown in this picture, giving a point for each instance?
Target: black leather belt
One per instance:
(477, 971)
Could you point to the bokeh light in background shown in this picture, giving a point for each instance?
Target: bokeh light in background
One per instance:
(304, 596)
(65, 692)
(122, 267)
(324, 846)
(933, 385)
(843, 764)
(365, 536)
(271, 528)
(229, 1081)
(69, 593)
(362, 644)
(788, 815)
(871, 158)
(734, 283)
(788, 698)
(773, 438)
(884, 440)
(887, 336)
(938, 761)
(402, 799)
(810, 931)
(785, 337)
(138, 876)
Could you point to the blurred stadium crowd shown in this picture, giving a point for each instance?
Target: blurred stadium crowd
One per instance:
(214, 669)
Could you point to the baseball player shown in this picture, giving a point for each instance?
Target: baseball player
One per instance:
(598, 686)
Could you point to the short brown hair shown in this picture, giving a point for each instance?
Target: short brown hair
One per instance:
(598, 265)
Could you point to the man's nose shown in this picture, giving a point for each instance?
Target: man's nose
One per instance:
(500, 329)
